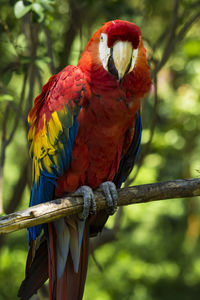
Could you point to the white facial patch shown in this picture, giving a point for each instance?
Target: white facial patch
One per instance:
(104, 51)
(134, 58)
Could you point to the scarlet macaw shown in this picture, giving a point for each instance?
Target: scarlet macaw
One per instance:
(85, 132)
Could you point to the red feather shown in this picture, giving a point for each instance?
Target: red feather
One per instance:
(71, 285)
(106, 130)
(122, 31)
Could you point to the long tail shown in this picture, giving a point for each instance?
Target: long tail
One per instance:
(68, 259)
(63, 257)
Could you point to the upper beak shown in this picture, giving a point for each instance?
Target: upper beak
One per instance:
(122, 56)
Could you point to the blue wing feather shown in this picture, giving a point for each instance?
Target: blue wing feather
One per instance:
(128, 160)
(43, 190)
(54, 127)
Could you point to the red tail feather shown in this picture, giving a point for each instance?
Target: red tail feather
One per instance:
(71, 285)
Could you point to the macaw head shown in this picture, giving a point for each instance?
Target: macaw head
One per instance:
(117, 48)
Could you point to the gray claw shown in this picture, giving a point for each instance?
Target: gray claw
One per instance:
(89, 205)
(110, 192)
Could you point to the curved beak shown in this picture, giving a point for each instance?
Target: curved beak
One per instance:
(122, 56)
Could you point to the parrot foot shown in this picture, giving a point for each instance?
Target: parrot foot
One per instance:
(110, 192)
(89, 205)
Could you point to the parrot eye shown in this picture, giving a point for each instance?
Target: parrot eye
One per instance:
(104, 51)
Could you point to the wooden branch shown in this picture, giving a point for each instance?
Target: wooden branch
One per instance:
(70, 205)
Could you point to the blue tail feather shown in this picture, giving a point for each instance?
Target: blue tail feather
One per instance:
(63, 240)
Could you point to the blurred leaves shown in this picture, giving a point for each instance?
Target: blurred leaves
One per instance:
(38, 7)
(192, 48)
(6, 97)
(7, 77)
(21, 9)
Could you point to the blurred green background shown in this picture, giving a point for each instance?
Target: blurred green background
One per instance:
(155, 253)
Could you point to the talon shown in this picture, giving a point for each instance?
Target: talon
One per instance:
(89, 205)
(110, 192)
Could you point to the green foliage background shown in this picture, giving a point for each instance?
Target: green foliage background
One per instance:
(157, 252)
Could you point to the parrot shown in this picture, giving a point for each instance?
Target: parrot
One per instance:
(85, 134)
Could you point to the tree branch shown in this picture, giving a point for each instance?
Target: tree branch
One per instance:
(76, 12)
(50, 49)
(175, 38)
(70, 205)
